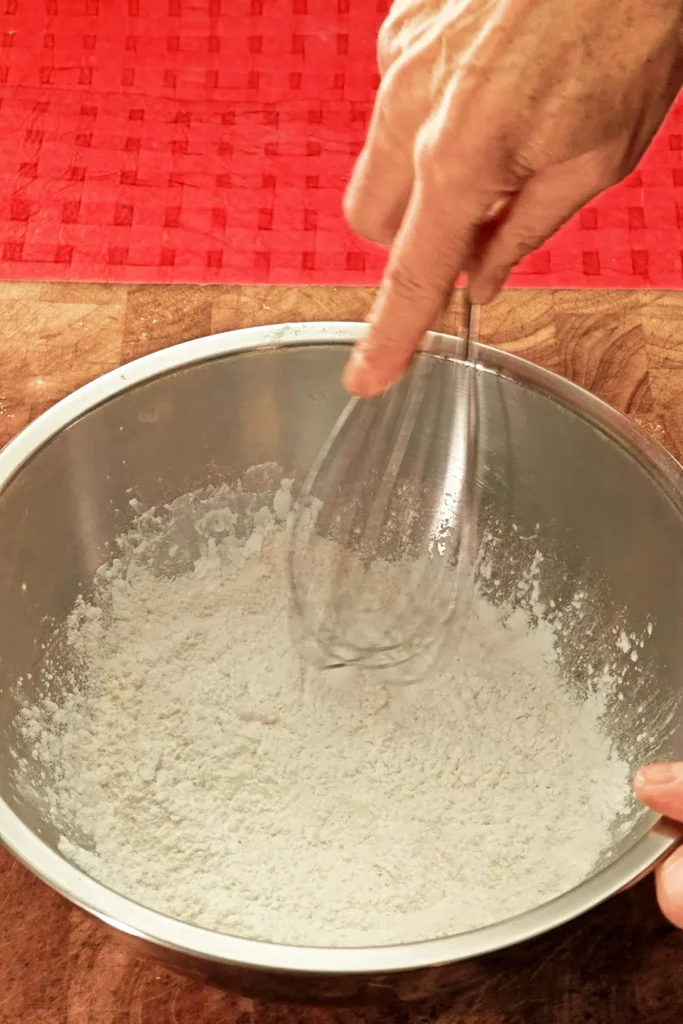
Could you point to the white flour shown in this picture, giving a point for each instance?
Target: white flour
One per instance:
(197, 767)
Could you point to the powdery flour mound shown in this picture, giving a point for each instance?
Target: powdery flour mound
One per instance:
(197, 766)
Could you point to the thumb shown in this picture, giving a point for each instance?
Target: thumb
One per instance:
(660, 787)
(542, 206)
(670, 887)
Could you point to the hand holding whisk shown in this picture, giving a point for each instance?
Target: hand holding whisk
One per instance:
(384, 535)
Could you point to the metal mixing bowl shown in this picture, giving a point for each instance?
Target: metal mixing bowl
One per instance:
(580, 477)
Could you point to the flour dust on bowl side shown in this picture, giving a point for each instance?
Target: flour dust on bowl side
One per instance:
(168, 762)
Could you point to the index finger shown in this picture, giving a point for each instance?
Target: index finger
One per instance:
(430, 250)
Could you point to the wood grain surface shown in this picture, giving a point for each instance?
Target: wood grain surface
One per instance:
(619, 965)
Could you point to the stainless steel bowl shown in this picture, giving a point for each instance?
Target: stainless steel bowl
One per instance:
(604, 497)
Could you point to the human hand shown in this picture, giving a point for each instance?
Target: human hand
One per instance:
(494, 122)
(660, 787)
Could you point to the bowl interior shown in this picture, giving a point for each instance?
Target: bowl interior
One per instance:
(553, 479)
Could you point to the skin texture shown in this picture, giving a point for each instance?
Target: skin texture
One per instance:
(660, 786)
(495, 121)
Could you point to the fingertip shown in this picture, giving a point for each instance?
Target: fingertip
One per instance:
(669, 878)
(354, 377)
(660, 787)
(481, 292)
(483, 288)
(363, 379)
(653, 777)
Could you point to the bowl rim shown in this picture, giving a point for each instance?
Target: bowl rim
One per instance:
(139, 921)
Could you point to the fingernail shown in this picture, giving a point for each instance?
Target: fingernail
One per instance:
(361, 378)
(657, 775)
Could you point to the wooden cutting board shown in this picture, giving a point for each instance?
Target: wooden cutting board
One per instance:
(619, 965)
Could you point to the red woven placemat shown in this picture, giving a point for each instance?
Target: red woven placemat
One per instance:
(210, 140)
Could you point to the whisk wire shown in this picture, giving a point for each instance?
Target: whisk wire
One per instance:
(384, 534)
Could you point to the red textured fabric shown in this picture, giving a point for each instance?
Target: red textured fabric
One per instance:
(210, 141)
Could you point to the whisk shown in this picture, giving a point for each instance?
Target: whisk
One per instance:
(384, 534)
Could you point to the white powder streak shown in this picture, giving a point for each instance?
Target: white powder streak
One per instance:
(211, 776)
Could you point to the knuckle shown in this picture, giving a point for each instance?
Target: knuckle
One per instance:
(436, 147)
(375, 217)
(429, 155)
(394, 113)
(395, 34)
(526, 244)
(614, 172)
(362, 219)
(520, 166)
(387, 48)
(380, 234)
(395, 99)
(354, 209)
(455, 175)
